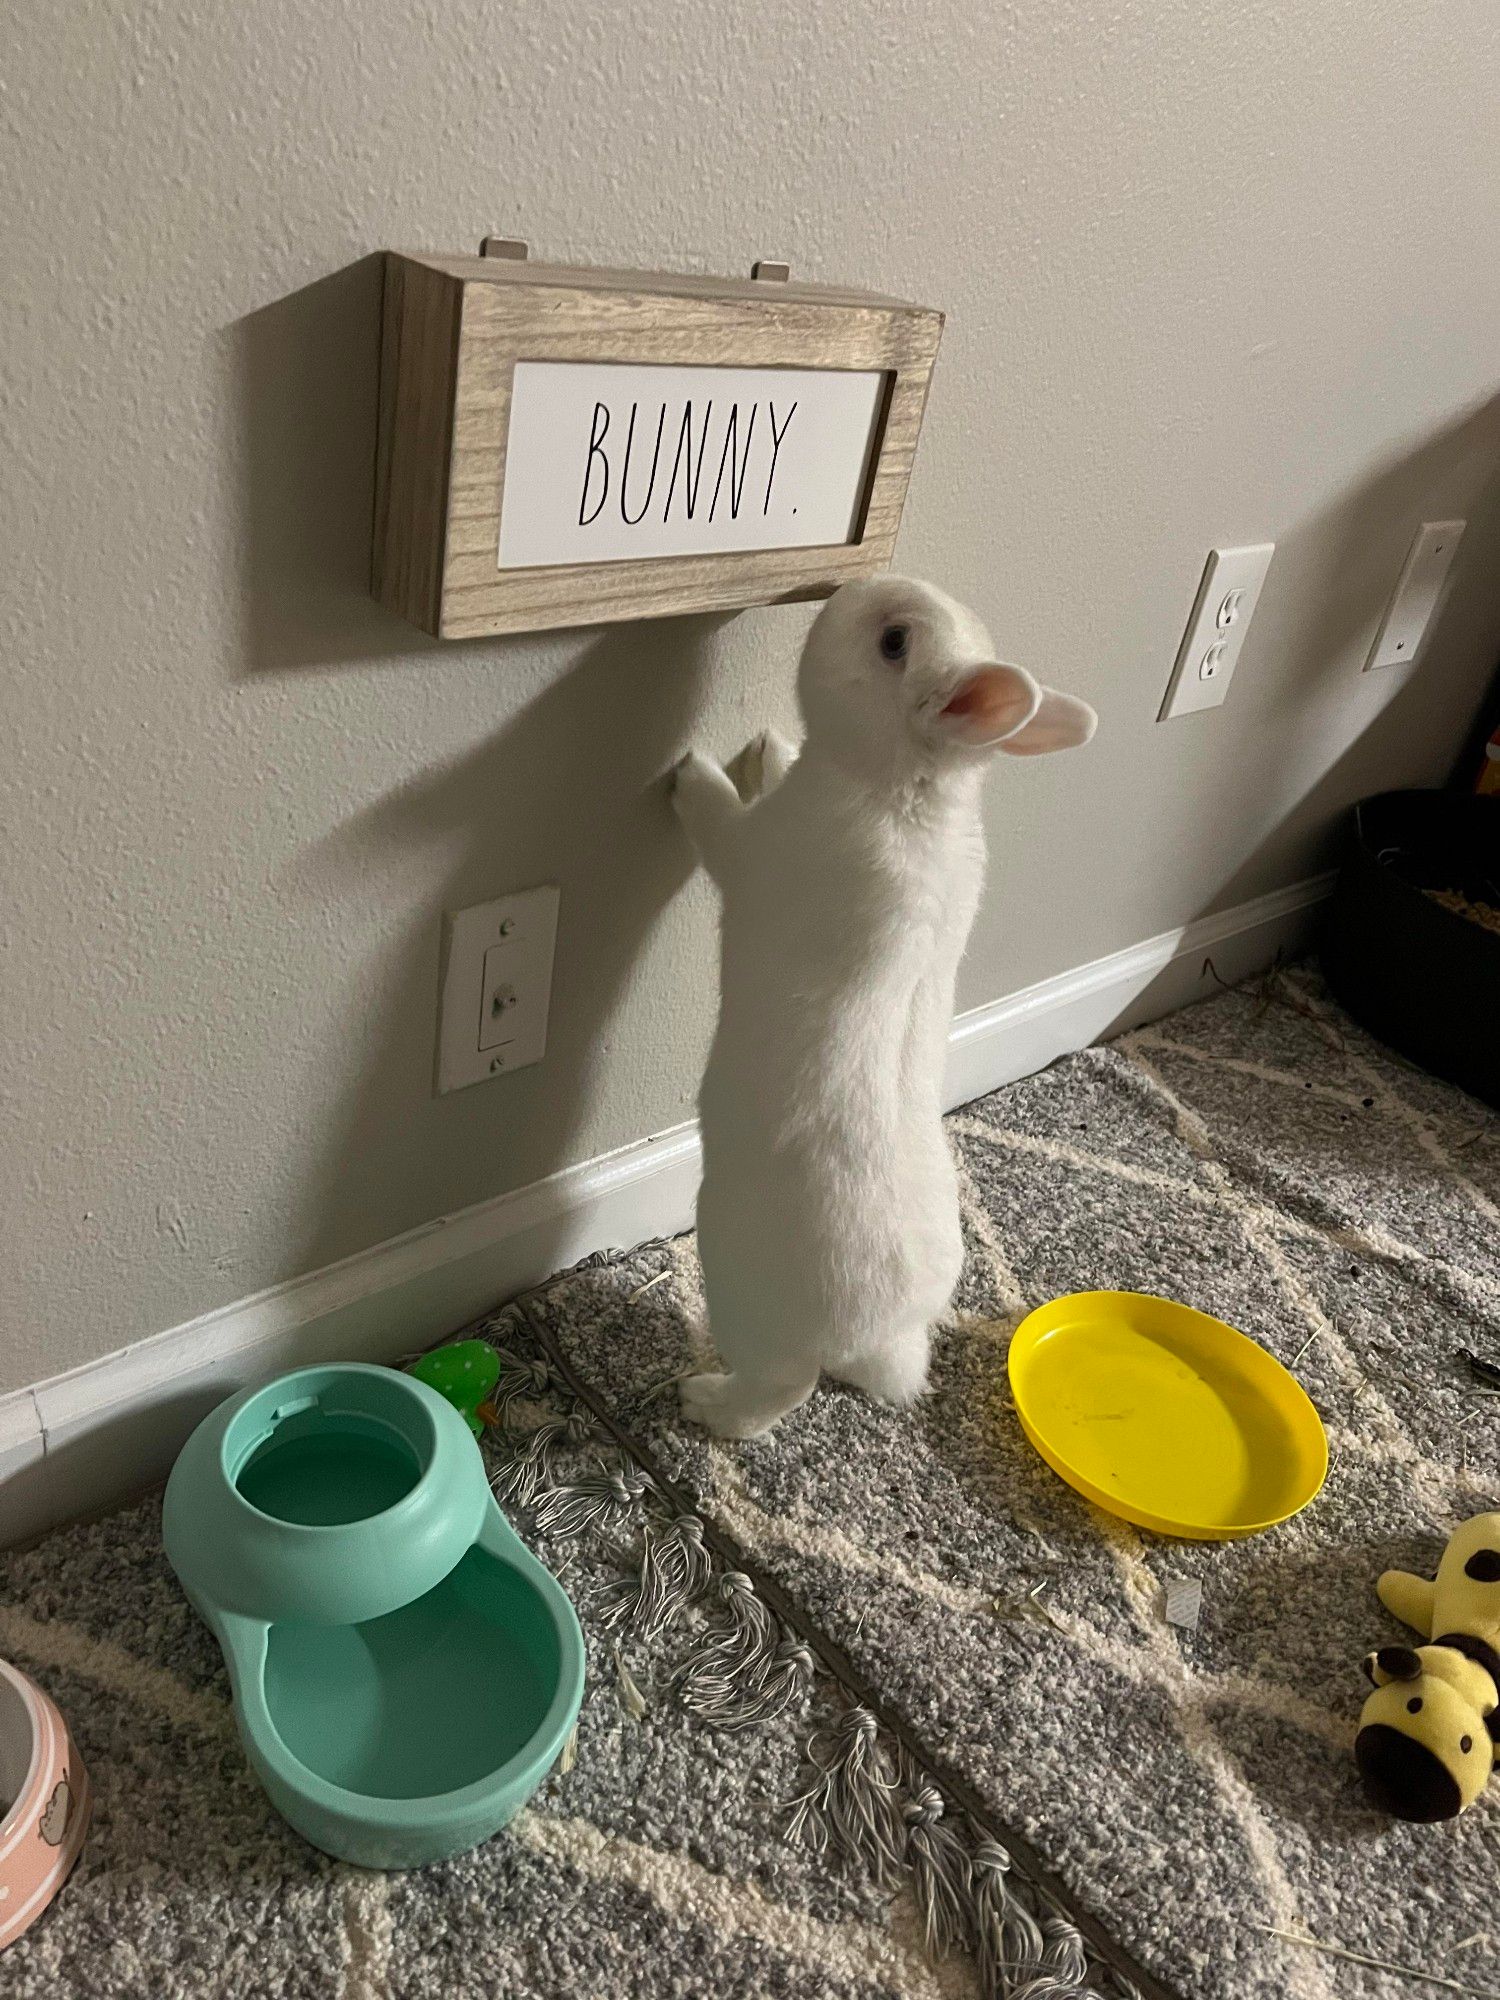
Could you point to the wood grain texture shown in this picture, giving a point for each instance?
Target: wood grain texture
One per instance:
(455, 328)
(418, 357)
(662, 284)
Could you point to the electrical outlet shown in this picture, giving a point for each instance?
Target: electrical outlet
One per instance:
(497, 987)
(1221, 615)
(1405, 624)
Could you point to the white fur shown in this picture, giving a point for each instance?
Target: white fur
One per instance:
(850, 872)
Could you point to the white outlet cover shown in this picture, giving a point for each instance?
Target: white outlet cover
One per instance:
(1418, 590)
(1222, 610)
(499, 951)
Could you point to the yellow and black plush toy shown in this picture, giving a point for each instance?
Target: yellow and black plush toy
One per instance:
(1428, 1735)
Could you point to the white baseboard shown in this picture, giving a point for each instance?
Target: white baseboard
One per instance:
(98, 1434)
(1024, 1032)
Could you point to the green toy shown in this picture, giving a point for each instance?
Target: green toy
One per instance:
(464, 1372)
(405, 1672)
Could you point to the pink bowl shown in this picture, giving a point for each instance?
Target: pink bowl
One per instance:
(46, 1790)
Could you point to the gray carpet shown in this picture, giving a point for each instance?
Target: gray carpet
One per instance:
(656, 1866)
(1262, 1160)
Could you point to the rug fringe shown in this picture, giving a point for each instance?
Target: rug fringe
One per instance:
(534, 1469)
(1023, 1956)
(1064, 1956)
(675, 1570)
(942, 1877)
(744, 1672)
(1010, 1939)
(853, 1803)
(868, 1800)
(573, 1506)
(520, 1379)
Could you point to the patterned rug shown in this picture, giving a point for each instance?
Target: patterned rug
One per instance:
(1263, 1159)
(730, 1817)
(656, 1865)
(877, 1706)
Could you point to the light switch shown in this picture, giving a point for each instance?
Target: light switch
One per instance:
(1418, 590)
(497, 987)
(1221, 616)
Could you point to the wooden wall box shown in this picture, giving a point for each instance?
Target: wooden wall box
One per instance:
(708, 445)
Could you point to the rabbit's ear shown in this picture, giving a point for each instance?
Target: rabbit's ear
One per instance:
(1061, 722)
(993, 705)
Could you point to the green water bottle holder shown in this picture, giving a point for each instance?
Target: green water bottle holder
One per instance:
(405, 1672)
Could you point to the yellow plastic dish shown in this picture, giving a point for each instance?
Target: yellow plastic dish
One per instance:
(1166, 1416)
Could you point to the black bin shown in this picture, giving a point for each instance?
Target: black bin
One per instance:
(1423, 978)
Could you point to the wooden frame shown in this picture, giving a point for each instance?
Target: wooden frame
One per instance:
(454, 328)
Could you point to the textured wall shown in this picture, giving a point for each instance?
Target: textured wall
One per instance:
(1223, 279)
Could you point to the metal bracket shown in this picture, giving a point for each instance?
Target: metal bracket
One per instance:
(513, 247)
(767, 271)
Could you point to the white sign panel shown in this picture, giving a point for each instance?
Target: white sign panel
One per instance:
(608, 463)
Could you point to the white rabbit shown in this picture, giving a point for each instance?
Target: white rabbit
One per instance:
(828, 1222)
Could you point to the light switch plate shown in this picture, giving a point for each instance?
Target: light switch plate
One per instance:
(1221, 615)
(1405, 624)
(497, 987)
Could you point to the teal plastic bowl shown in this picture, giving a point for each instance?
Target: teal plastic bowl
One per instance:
(405, 1672)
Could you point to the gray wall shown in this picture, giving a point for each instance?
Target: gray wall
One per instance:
(1212, 274)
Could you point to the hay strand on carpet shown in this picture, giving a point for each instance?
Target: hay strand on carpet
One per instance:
(1380, 1964)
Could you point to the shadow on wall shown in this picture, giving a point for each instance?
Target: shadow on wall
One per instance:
(1343, 561)
(307, 375)
(571, 790)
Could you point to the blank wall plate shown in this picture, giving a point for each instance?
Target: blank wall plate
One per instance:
(1404, 627)
(1221, 615)
(497, 986)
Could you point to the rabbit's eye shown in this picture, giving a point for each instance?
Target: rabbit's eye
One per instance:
(893, 643)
